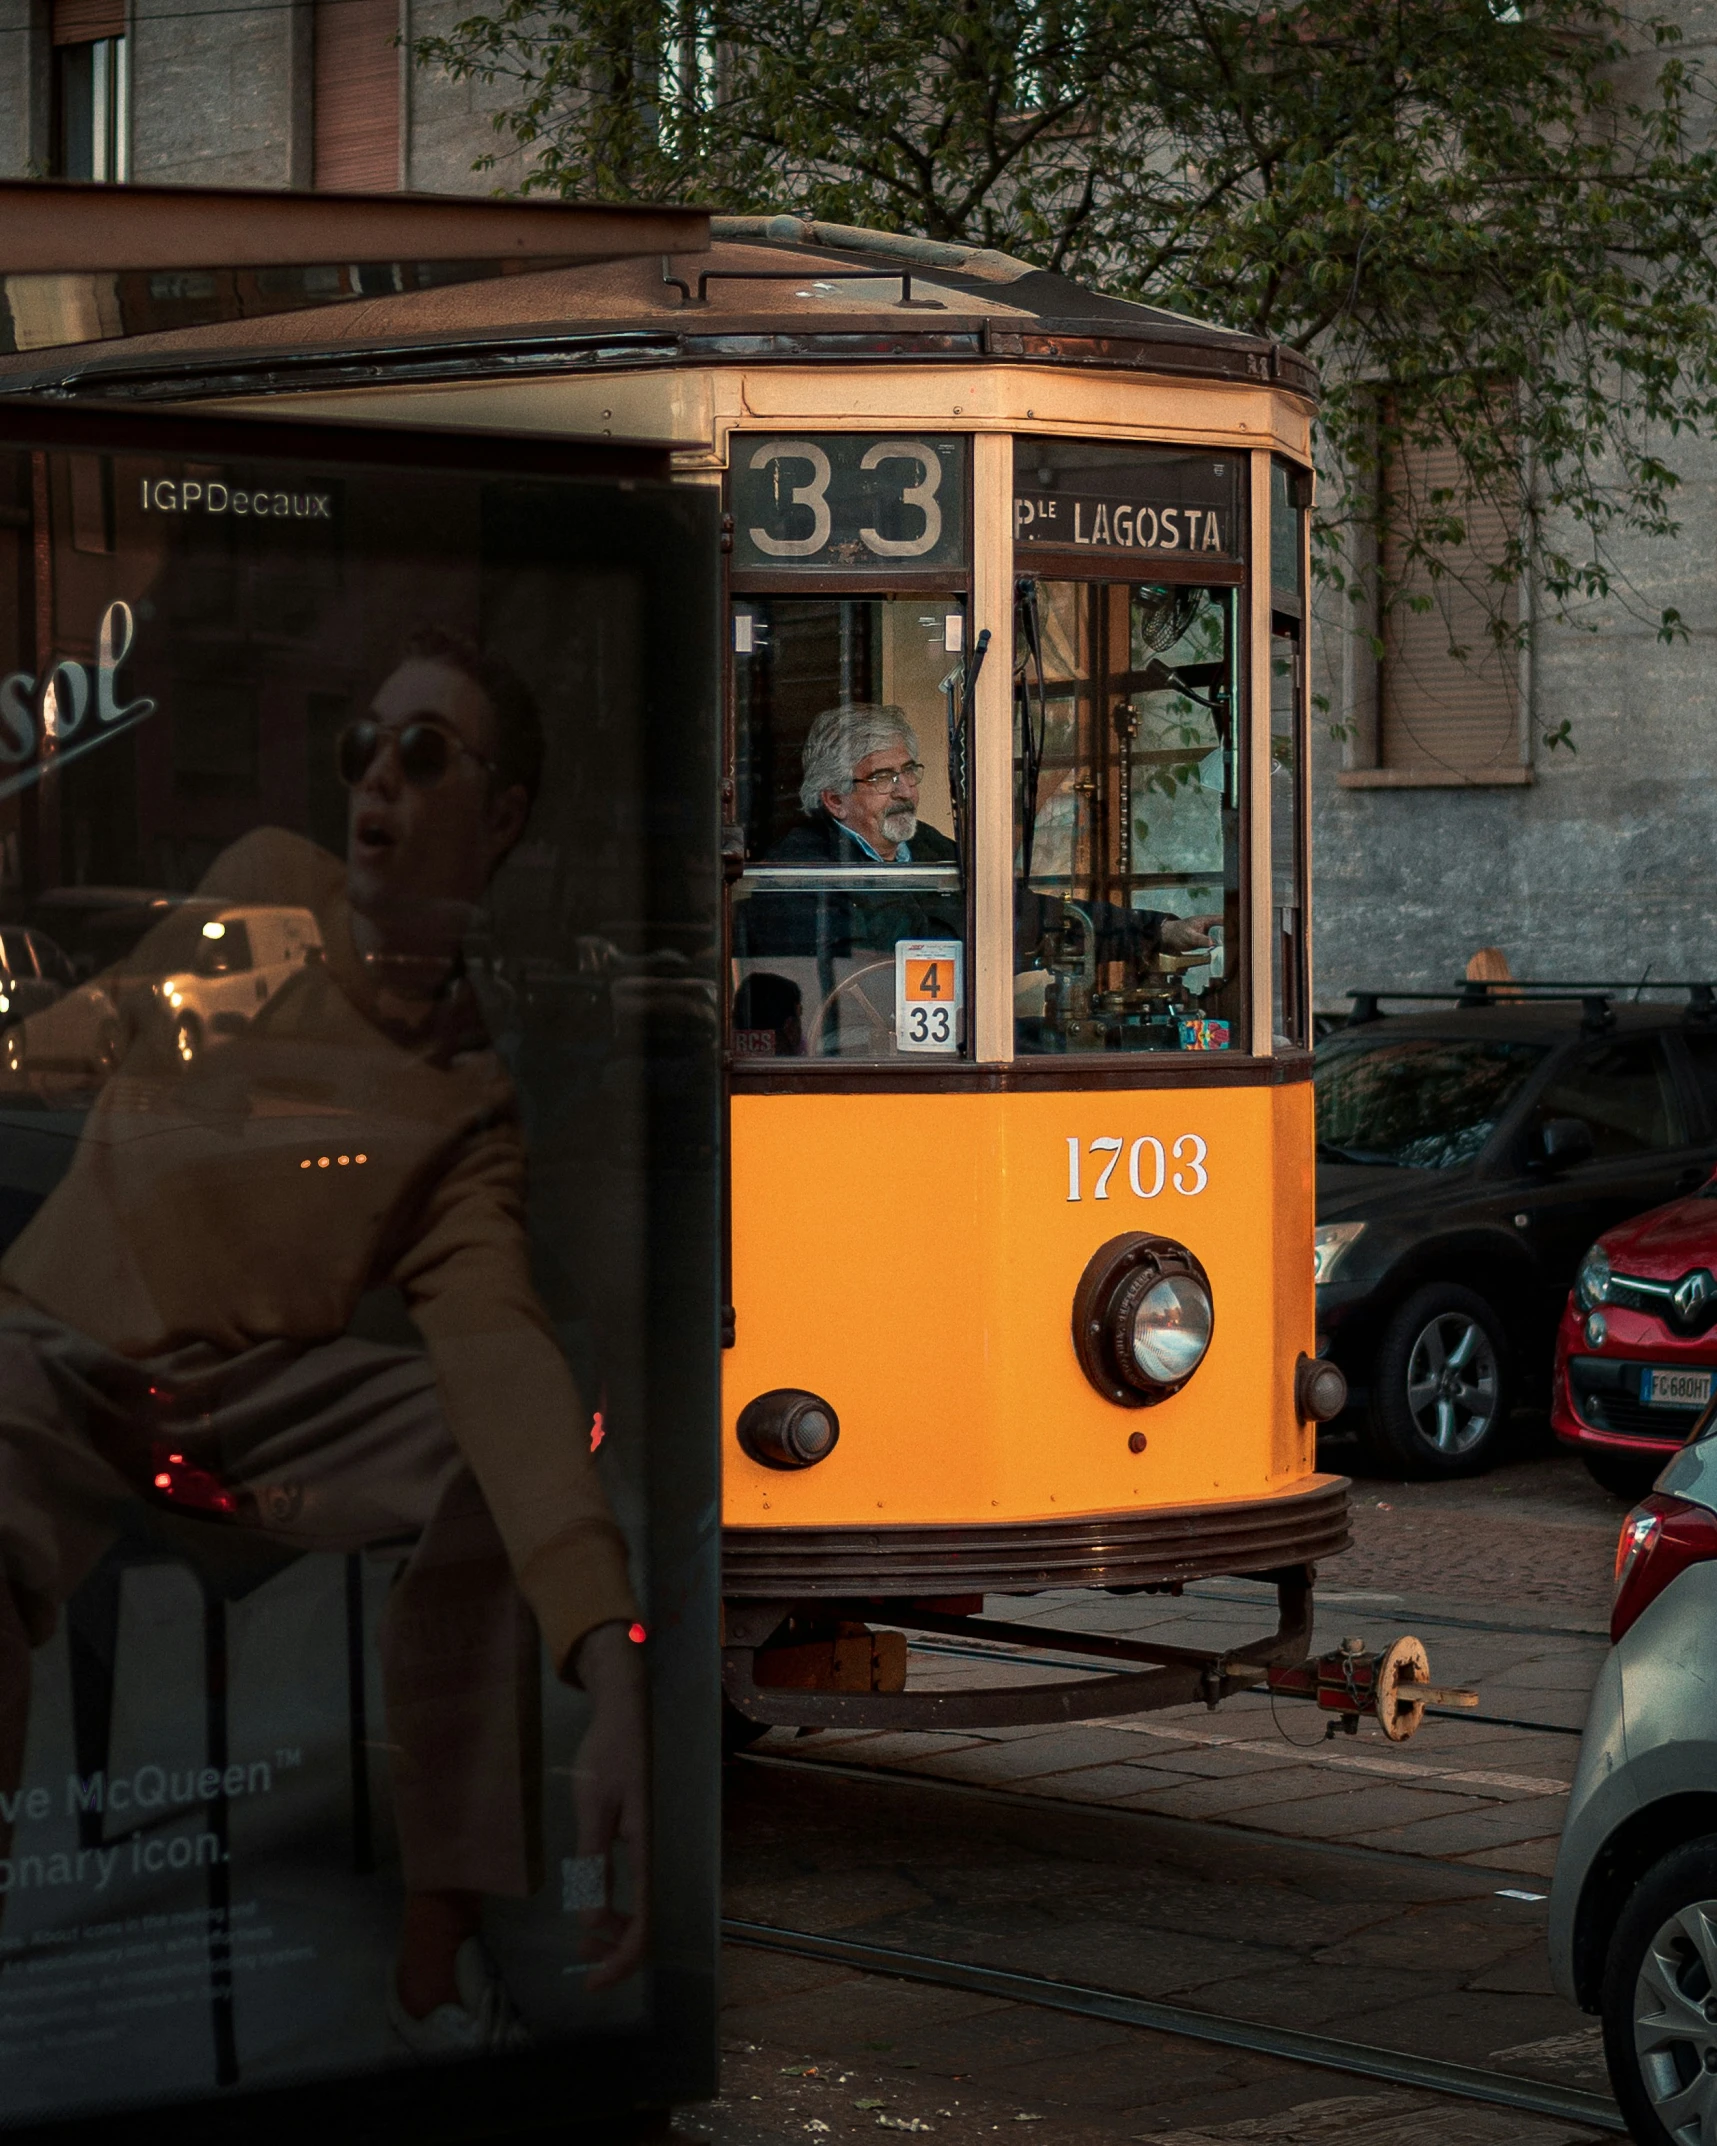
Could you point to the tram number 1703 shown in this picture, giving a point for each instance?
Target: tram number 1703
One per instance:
(1148, 1161)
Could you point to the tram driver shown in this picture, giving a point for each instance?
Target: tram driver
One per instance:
(860, 795)
(176, 1353)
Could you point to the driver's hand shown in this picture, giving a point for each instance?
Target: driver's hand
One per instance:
(1185, 935)
(611, 1796)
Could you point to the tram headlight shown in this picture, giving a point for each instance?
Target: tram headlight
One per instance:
(1142, 1318)
(1170, 1328)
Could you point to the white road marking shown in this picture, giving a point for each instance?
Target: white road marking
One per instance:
(1350, 1762)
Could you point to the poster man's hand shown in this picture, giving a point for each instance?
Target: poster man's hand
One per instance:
(610, 1793)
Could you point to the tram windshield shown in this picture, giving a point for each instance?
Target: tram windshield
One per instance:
(1127, 817)
(849, 919)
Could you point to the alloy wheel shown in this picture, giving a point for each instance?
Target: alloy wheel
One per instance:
(1675, 2023)
(1453, 1383)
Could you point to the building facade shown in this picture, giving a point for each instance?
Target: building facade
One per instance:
(289, 93)
(1444, 821)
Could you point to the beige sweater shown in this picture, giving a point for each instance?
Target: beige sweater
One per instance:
(197, 1208)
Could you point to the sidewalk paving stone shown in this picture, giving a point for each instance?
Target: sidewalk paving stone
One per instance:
(1467, 1832)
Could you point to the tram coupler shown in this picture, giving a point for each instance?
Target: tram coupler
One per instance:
(1395, 1686)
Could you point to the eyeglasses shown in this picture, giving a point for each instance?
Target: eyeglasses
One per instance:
(905, 777)
(425, 751)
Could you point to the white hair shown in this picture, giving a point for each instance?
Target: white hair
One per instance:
(841, 737)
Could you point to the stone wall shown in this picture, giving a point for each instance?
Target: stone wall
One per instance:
(448, 125)
(218, 95)
(23, 88)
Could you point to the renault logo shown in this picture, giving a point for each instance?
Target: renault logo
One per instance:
(1692, 1290)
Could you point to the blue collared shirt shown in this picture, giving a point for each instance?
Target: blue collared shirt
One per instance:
(902, 853)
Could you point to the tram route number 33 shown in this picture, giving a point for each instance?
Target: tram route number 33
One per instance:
(1150, 1165)
(929, 994)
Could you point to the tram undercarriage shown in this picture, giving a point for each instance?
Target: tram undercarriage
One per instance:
(813, 1657)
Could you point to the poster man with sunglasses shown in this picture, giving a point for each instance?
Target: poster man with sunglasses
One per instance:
(181, 1342)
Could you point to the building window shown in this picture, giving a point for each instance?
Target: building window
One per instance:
(1448, 699)
(357, 95)
(91, 127)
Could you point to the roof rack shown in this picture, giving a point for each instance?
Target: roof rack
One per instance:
(1593, 997)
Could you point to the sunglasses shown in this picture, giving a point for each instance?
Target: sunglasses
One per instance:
(425, 751)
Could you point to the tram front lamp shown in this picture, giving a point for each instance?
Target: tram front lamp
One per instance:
(1142, 1318)
(788, 1428)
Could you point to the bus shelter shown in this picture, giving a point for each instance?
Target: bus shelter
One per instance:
(359, 1167)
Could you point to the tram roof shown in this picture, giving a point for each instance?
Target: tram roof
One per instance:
(779, 288)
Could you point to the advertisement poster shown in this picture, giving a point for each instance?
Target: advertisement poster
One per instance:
(358, 1282)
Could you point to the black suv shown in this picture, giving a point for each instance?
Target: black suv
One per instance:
(1466, 1160)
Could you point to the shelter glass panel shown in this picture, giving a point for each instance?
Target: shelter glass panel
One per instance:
(357, 1258)
(848, 936)
(1127, 818)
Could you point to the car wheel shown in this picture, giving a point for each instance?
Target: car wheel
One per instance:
(187, 1040)
(1621, 1475)
(1440, 1386)
(1660, 2000)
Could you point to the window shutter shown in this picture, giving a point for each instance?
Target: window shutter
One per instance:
(1440, 714)
(86, 22)
(357, 95)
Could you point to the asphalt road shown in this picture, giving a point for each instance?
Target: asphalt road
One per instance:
(1230, 1863)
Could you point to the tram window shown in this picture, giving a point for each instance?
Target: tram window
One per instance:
(1127, 823)
(849, 919)
(1289, 965)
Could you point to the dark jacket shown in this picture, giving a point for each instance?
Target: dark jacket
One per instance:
(823, 840)
(834, 924)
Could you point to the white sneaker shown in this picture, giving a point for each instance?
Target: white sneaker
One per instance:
(484, 2020)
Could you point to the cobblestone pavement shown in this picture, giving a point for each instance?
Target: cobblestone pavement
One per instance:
(1506, 1579)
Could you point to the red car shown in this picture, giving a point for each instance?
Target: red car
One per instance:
(1636, 1353)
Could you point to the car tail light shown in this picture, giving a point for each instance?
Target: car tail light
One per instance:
(1659, 1540)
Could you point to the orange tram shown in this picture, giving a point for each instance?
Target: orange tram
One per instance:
(1015, 970)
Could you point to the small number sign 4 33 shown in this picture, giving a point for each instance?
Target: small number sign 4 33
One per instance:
(929, 994)
(1151, 1166)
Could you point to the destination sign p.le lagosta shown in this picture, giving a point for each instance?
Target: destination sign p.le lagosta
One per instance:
(1180, 505)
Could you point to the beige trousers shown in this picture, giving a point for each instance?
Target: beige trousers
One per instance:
(339, 1446)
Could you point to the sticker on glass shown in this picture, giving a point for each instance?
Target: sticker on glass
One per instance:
(929, 994)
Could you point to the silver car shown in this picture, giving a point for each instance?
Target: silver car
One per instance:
(1633, 1906)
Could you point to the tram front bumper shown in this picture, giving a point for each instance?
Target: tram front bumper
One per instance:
(1164, 1547)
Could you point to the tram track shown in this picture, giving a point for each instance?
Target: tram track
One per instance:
(1035, 1801)
(1354, 2059)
